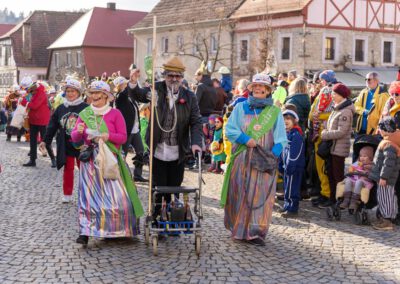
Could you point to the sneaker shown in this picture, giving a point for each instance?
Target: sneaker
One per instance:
(257, 242)
(289, 214)
(282, 210)
(67, 198)
(83, 240)
(53, 163)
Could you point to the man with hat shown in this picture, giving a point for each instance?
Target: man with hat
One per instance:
(38, 113)
(127, 103)
(177, 125)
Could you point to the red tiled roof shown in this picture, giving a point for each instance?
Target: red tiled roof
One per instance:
(46, 26)
(99, 60)
(100, 27)
(4, 28)
(108, 27)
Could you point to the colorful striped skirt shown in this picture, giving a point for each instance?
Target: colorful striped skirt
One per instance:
(105, 209)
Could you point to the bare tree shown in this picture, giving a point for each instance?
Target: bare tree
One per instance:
(266, 58)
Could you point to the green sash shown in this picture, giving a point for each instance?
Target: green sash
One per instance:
(266, 120)
(88, 116)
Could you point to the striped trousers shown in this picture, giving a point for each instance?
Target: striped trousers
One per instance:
(387, 201)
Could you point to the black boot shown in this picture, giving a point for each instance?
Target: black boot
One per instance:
(53, 163)
(83, 240)
(18, 138)
(30, 164)
(8, 138)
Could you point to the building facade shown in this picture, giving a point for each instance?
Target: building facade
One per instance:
(23, 49)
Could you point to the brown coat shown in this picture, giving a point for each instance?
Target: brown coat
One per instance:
(339, 128)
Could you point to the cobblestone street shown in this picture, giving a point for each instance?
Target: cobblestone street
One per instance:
(38, 232)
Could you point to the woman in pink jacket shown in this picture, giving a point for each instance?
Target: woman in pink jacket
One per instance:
(108, 208)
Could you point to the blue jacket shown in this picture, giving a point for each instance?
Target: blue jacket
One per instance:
(293, 156)
(226, 83)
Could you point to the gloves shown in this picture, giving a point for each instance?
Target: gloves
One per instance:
(277, 150)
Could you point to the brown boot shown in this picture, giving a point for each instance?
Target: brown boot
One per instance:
(385, 225)
(346, 200)
(355, 201)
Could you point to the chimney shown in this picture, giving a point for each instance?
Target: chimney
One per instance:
(111, 6)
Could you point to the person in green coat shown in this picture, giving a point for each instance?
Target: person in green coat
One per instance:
(144, 123)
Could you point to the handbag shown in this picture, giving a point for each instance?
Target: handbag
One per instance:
(18, 118)
(324, 149)
(86, 153)
(263, 161)
(107, 162)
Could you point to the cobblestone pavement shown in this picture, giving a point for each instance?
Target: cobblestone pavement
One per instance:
(37, 242)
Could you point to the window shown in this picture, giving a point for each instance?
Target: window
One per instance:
(196, 44)
(164, 44)
(149, 46)
(78, 59)
(285, 51)
(7, 55)
(330, 48)
(41, 77)
(388, 52)
(179, 43)
(57, 60)
(360, 49)
(244, 50)
(214, 43)
(69, 57)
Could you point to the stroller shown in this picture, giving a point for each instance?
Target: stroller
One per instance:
(368, 197)
(175, 218)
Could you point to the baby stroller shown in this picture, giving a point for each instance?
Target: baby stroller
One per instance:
(368, 197)
(175, 218)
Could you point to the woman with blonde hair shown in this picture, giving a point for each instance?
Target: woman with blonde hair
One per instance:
(298, 96)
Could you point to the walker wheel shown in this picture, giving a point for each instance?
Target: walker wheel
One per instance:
(329, 213)
(155, 244)
(198, 244)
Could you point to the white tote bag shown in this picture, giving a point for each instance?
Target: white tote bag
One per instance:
(107, 162)
(19, 117)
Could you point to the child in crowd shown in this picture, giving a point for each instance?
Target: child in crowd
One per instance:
(385, 172)
(217, 147)
(208, 131)
(144, 123)
(358, 179)
(292, 163)
(227, 143)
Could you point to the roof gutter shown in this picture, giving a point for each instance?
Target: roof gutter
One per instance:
(132, 30)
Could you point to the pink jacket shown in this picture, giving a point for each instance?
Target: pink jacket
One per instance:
(116, 129)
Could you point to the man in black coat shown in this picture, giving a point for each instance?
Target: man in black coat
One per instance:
(177, 126)
(127, 103)
(206, 94)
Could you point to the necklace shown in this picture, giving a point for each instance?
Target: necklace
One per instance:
(256, 126)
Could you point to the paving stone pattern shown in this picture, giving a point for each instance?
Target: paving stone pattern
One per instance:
(37, 241)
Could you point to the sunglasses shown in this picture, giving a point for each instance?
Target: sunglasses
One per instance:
(395, 95)
(368, 79)
(174, 76)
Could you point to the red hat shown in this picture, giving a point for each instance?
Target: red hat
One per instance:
(341, 90)
(394, 87)
(220, 119)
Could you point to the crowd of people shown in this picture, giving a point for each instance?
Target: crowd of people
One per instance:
(258, 133)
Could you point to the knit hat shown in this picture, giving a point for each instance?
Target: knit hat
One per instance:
(224, 70)
(212, 117)
(394, 88)
(388, 124)
(100, 86)
(291, 113)
(316, 77)
(342, 90)
(73, 84)
(174, 65)
(368, 151)
(26, 83)
(328, 75)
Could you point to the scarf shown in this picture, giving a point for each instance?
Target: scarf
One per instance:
(76, 102)
(101, 110)
(259, 103)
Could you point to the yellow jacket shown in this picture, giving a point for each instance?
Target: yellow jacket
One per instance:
(323, 116)
(378, 104)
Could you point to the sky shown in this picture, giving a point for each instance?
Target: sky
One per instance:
(69, 5)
